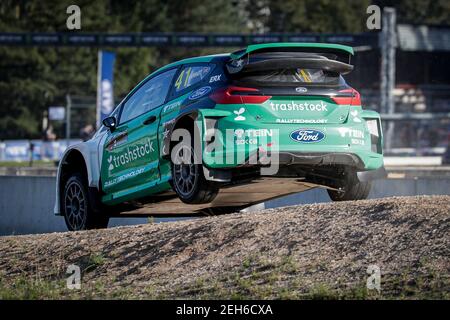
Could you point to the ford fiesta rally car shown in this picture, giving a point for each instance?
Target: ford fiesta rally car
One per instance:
(203, 124)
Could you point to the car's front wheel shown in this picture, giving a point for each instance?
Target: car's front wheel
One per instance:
(351, 189)
(188, 179)
(77, 206)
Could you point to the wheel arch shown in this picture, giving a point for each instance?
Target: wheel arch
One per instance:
(73, 160)
(208, 118)
(186, 121)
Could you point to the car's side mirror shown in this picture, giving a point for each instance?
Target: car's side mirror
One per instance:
(110, 123)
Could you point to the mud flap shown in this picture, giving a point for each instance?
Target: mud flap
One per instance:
(379, 173)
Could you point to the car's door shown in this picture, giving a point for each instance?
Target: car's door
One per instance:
(131, 152)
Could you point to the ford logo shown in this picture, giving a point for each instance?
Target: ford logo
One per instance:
(301, 89)
(199, 93)
(307, 135)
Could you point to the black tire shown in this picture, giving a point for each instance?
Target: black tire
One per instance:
(351, 189)
(77, 206)
(188, 180)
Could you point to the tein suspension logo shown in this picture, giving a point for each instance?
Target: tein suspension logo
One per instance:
(131, 154)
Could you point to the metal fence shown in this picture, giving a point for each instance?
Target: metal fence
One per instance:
(421, 121)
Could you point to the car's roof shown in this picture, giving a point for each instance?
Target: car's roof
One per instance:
(199, 59)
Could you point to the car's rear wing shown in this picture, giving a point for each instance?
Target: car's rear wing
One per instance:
(326, 56)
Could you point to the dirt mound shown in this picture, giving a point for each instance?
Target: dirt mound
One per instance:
(308, 251)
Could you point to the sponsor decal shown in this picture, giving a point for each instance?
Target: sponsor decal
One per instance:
(307, 135)
(215, 78)
(171, 106)
(250, 136)
(315, 121)
(130, 154)
(253, 132)
(166, 134)
(292, 106)
(199, 93)
(124, 177)
(301, 89)
(237, 63)
(246, 141)
(168, 123)
(358, 142)
(239, 116)
(357, 136)
(111, 166)
(200, 73)
(351, 133)
(354, 114)
(117, 141)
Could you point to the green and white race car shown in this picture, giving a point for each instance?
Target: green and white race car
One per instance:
(205, 124)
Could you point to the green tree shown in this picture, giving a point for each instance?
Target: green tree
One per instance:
(434, 12)
(31, 79)
(305, 16)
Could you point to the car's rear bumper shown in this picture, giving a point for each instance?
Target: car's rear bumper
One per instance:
(351, 143)
(301, 159)
(291, 164)
(318, 159)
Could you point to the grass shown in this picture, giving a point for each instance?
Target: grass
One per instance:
(95, 260)
(30, 289)
(260, 278)
(236, 287)
(257, 277)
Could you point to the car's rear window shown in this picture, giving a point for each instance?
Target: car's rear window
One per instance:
(291, 75)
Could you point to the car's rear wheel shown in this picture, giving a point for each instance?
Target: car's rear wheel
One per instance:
(351, 189)
(187, 176)
(77, 206)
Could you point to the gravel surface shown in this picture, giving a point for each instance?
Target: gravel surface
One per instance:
(299, 252)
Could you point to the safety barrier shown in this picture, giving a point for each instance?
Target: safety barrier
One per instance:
(26, 202)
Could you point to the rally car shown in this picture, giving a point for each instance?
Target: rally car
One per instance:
(203, 124)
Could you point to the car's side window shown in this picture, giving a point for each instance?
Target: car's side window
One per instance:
(191, 75)
(150, 95)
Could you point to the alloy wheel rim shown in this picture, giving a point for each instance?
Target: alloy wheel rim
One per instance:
(185, 172)
(75, 205)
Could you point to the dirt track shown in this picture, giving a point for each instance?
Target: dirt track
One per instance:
(308, 251)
